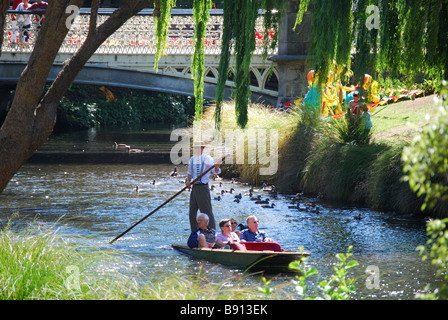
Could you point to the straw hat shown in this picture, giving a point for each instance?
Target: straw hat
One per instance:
(199, 143)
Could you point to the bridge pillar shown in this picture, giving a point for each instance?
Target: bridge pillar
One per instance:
(293, 48)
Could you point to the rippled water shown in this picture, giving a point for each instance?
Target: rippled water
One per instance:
(99, 201)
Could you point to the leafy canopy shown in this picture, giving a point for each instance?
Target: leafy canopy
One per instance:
(403, 38)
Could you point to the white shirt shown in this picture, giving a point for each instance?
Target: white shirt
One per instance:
(25, 18)
(200, 164)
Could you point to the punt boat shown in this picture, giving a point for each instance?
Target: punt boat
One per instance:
(267, 256)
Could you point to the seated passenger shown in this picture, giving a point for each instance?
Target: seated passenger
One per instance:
(252, 233)
(226, 234)
(233, 225)
(203, 237)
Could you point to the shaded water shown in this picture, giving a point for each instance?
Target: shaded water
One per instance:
(97, 199)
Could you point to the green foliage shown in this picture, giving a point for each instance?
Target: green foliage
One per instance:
(330, 45)
(84, 107)
(412, 38)
(337, 287)
(200, 17)
(239, 26)
(161, 26)
(351, 130)
(425, 161)
(339, 171)
(438, 253)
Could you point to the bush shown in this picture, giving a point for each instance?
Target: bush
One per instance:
(425, 160)
(438, 253)
(84, 106)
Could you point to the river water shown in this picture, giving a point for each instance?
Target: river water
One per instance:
(80, 181)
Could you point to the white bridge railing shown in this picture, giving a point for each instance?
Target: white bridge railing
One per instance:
(136, 36)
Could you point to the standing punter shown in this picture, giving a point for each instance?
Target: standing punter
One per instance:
(200, 193)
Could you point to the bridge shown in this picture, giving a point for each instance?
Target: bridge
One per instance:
(126, 58)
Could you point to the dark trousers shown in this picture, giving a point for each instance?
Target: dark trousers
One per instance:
(200, 199)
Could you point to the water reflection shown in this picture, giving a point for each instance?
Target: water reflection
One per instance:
(100, 201)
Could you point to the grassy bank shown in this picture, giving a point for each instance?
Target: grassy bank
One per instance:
(313, 161)
(40, 264)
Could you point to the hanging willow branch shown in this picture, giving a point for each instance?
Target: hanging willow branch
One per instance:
(201, 16)
(229, 22)
(239, 25)
(412, 38)
(162, 22)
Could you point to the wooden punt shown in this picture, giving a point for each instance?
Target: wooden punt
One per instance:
(256, 256)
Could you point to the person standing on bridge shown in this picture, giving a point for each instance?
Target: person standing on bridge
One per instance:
(24, 21)
(39, 7)
(200, 193)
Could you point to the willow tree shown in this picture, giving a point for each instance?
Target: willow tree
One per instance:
(404, 38)
(32, 115)
(239, 36)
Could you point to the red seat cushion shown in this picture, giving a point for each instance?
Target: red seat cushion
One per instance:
(238, 246)
(263, 246)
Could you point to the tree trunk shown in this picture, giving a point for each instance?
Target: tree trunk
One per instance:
(31, 119)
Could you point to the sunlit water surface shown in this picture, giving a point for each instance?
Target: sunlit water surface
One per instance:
(98, 201)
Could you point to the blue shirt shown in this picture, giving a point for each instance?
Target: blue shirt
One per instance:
(248, 235)
(193, 240)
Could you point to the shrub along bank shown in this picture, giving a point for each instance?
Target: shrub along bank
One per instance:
(84, 107)
(313, 159)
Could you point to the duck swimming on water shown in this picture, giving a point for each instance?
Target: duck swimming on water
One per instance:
(262, 201)
(174, 172)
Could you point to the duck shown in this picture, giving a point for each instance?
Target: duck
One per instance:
(250, 193)
(315, 210)
(218, 198)
(136, 189)
(256, 198)
(212, 187)
(237, 200)
(298, 196)
(174, 172)
(262, 201)
(358, 217)
(241, 227)
(217, 178)
(272, 205)
(121, 145)
(134, 150)
(310, 204)
(268, 187)
(238, 196)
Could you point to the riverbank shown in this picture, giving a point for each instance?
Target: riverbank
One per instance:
(313, 162)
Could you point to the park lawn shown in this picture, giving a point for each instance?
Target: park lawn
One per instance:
(400, 120)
